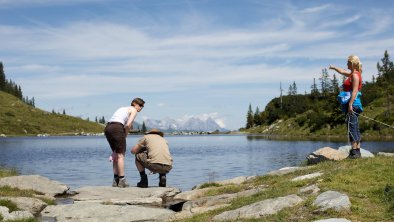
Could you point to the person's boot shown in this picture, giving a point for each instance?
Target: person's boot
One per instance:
(122, 183)
(115, 182)
(354, 154)
(143, 182)
(162, 180)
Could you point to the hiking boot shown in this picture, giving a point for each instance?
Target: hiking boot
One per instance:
(162, 180)
(143, 182)
(122, 183)
(115, 183)
(354, 154)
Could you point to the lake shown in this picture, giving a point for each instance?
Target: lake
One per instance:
(83, 161)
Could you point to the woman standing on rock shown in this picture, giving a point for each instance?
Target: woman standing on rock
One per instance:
(353, 85)
(116, 132)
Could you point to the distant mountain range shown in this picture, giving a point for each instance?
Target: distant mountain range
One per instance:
(186, 124)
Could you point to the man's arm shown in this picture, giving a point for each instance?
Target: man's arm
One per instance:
(135, 149)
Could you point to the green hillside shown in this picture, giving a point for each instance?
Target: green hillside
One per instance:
(17, 118)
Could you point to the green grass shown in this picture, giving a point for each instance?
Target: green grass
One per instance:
(367, 182)
(17, 118)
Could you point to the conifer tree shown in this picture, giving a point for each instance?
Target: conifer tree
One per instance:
(249, 118)
(143, 127)
(2, 78)
(256, 118)
(314, 90)
(334, 85)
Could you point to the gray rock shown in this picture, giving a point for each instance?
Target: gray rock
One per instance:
(192, 194)
(326, 153)
(332, 200)
(364, 153)
(209, 201)
(333, 220)
(385, 154)
(308, 176)
(14, 215)
(259, 209)
(285, 170)
(236, 181)
(35, 182)
(90, 211)
(312, 189)
(153, 196)
(32, 205)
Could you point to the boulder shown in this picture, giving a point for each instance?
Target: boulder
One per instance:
(14, 215)
(284, 171)
(153, 196)
(332, 200)
(259, 209)
(307, 177)
(312, 189)
(191, 194)
(333, 220)
(37, 183)
(209, 201)
(364, 153)
(93, 211)
(32, 205)
(385, 154)
(236, 181)
(326, 153)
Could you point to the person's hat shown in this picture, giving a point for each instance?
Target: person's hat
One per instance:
(155, 131)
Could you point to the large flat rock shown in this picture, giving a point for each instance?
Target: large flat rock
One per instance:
(29, 204)
(332, 200)
(232, 181)
(35, 182)
(96, 212)
(154, 196)
(259, 209)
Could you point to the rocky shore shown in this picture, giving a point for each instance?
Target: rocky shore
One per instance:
(104, 203)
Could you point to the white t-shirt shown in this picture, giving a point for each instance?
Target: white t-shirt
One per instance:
(121, 115)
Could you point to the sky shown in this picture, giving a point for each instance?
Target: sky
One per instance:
(185, 58)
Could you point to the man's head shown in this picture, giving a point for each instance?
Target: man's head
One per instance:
(156, 131)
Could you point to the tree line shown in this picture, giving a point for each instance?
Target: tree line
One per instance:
(12, 88)
(319, 107)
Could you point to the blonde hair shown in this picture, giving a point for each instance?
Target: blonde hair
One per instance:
(355, 61)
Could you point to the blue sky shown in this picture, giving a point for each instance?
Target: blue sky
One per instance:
(184, 58)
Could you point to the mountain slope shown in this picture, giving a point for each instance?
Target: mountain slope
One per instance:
(189, 124)
(18, 118)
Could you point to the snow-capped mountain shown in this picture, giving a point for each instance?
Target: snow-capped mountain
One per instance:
(186, 124)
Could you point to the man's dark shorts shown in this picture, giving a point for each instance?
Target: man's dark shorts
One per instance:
(116, 137)
(142, 158)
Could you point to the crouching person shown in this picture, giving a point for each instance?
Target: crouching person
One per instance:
(152, 152)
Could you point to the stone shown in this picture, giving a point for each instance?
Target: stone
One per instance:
(284, 171)
(332, 200)
(32, 205)
(210, 201)
(35, 182)
(14, 215)
(333, 220)
(364, 153)
(385, 154)
(93, 211)
(153, 196)
(191, 194)
(312, 189)
(307, 177)
(259, 209)
(326, 153)
(236, 181)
